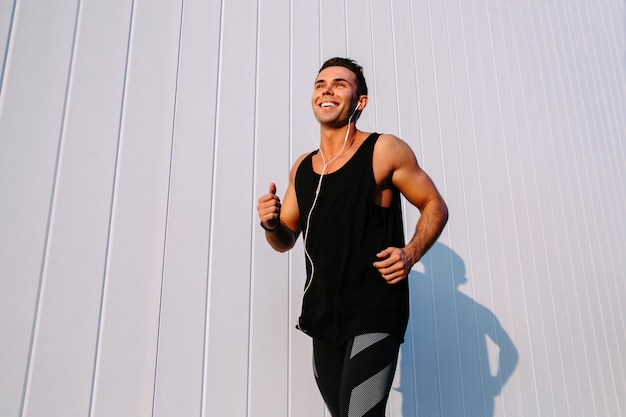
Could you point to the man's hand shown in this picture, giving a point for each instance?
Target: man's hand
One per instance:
(394, 266)
(269, 208)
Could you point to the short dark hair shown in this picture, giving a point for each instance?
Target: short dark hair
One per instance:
(352, 65)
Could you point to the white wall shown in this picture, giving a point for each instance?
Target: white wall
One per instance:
(136, 136)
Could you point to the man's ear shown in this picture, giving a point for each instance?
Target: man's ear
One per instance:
(362, 103)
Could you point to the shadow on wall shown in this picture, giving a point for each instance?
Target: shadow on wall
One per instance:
(456, 356)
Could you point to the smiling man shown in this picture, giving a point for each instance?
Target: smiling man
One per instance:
(345, 199)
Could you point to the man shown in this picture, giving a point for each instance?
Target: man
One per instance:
(345, 198)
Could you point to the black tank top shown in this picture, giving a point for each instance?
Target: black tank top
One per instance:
(344, 294)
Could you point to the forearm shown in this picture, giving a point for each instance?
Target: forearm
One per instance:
(433, 218)
(281, 239)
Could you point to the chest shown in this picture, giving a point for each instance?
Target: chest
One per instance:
(348, 170)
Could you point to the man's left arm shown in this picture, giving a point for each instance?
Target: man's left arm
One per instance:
(418, 188)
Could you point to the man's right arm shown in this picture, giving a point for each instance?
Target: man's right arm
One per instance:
(281, 220)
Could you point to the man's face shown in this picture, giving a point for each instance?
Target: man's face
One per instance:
(334, 96)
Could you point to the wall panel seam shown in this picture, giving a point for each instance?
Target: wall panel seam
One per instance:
(251, 251)
(290, 262)
(112, 212)
(8, 52)
(43, 275)
(535, 36)
(511, 198)
(596, 268)
(207, 317)
(481, 365)
(167, 209)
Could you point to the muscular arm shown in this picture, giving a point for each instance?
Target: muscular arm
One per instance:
(396, 157)
(281, 218)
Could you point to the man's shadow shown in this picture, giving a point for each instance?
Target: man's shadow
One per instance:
(456, 356)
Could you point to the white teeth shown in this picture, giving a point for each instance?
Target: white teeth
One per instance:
(327, 104)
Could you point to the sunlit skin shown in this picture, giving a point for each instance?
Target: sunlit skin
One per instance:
(335, 98)
(333, 101)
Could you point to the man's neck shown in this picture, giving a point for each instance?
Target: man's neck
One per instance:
(332, 138)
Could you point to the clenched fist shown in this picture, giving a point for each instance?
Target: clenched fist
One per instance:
(269, 209)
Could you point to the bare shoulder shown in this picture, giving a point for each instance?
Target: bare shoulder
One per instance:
(386, 139)
(296, 165)
(289, 212)
(300, 159)
(392, 153)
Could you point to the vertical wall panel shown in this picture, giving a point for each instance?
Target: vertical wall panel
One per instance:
(605, 383)
(438, 136)
(182, 328)
(136, 138)
(228, 339)
(541, 329)
(360, 47)
(66, 333)
(32, 103)
(332, 29)
(577, 295)
(384, 101)
(125, 365)
(269, 317)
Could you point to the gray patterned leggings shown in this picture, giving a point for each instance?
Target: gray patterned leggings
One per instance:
(355, 379)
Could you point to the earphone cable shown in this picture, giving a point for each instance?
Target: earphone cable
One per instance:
(317, 192)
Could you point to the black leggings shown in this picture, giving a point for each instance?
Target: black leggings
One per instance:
(355, 379)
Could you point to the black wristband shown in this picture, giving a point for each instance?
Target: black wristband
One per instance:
(270, 230)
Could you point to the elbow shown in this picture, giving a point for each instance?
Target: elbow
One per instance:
(283, 248)
(445, 214)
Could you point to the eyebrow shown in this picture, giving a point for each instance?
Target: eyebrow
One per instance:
(318, 81)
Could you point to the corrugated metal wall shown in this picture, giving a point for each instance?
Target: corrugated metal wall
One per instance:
(136, 136)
